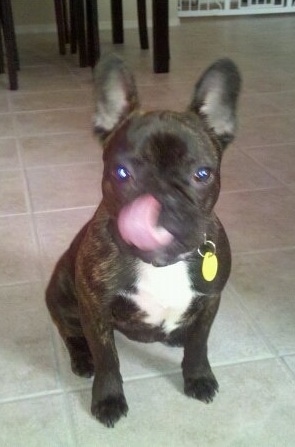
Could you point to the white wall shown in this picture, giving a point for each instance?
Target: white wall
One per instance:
(38, 15)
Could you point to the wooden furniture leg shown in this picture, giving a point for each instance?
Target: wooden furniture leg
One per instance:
(161, 36)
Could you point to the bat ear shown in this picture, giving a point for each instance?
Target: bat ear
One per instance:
(115, 94)
(215, 99)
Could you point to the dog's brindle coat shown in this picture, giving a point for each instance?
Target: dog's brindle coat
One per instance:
(104, 282)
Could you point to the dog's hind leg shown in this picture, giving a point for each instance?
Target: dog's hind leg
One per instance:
(63, 307)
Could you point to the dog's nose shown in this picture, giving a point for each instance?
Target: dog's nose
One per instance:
(138, 224)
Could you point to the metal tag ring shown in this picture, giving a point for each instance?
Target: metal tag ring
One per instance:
(207, 246)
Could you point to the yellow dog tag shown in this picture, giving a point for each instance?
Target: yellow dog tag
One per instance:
(209, 266)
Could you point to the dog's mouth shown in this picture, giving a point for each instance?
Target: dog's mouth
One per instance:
(138, 224)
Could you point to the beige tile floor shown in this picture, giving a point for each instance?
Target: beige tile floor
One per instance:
(50, 172)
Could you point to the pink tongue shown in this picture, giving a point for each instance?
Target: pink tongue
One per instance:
(137, 224)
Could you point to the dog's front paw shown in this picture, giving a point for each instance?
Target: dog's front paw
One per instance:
(203, 388)
(110, 410)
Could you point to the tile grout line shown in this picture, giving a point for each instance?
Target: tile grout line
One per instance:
(291, 372)
(60, 210)
(250, 190)
(43, 281)
(265, 168)
(53, 210)
(51, 109)
(32, 396)
(263, 250)
(275, 176)
(51, 133)
(176, 371)
(35, 238)
(20, 283)
(63, 165)
(88, 387)
(239, 144)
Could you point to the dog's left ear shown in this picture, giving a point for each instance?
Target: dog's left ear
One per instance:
(116, 94)
(215, 99)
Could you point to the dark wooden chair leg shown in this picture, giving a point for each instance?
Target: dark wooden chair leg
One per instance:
(73, 27)
(92, 32)
(85, 35)
(7, 24)
(80, 21)
(161, 36)
(15, 50)
(65, 20)
(117, 21)
(60, 22)
(2, 70)
(142, 24)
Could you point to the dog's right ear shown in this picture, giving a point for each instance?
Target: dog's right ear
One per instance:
(115, 92)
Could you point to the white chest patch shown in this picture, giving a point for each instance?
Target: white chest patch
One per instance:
(163, 293)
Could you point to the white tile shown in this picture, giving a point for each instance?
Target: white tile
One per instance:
(239, 172)
(258, 219)
(290, 360)
(265, 283)
(38, 122)
(12, 192)
(35, 422)
(233, 338)
(8, 153)
(69, 148)
(56, 230)
(58, 187)
(255, 406)
(18, 253)
(27, 361)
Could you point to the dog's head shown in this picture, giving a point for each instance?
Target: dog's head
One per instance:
(162, 169)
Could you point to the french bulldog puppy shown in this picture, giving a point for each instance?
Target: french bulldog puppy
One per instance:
(153, 260)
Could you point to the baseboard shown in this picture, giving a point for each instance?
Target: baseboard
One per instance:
(35, 29)
(103, 26)
(132, 24)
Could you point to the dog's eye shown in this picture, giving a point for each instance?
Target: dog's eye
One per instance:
(121, 173)
(203, 174)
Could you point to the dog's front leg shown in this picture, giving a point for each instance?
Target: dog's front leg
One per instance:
(108, 400)
(199, 380)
